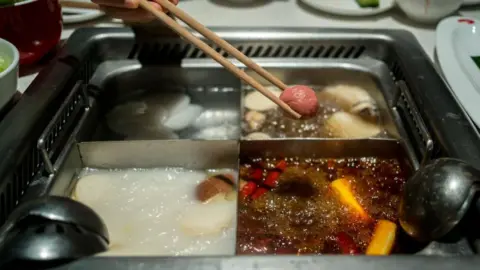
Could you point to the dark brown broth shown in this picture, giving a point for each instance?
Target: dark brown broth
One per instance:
(277, 125)
(302, 215)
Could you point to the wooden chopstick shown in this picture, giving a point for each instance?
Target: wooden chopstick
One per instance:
(216, 56)
(190, 21)
(205, 48)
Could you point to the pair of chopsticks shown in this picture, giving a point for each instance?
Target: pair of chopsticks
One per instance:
(194, 24)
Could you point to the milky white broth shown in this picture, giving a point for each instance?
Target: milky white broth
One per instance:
(155, 212)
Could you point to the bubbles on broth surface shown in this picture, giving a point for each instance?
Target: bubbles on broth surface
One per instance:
(345, 111)
(144, 210)
(302, 214)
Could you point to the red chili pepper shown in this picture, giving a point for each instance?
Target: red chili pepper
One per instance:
(346, 243)
(248, 189)
(272, 179)
(281, 165)
(256, 174)
(258, 193)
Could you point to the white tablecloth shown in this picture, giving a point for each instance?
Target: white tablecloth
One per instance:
(281, 13)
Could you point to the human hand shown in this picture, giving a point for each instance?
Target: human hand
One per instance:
(128, 10)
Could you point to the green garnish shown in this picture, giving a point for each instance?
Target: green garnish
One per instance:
(3, 64)
(368, 3)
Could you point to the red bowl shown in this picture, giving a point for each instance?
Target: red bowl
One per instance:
(33, 26)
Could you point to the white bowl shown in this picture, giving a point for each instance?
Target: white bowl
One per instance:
(8, 77)
(429, 11)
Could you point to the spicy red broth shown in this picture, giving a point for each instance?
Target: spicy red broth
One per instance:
(319, 206)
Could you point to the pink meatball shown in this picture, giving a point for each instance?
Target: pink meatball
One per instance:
(301, 99)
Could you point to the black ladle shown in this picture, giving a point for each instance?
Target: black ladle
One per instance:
(437, 198)
(52, 229)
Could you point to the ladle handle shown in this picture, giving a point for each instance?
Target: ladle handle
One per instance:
(477, 205)
(476, 201)
(476, 197)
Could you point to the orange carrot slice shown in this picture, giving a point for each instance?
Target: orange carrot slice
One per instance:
(342, 187)
(383, 238)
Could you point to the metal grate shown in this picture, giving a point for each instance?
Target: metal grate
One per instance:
(54, 135)
(411, 115)
(154, 52)
(33, 162)
(29, 167)
(423, 140)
